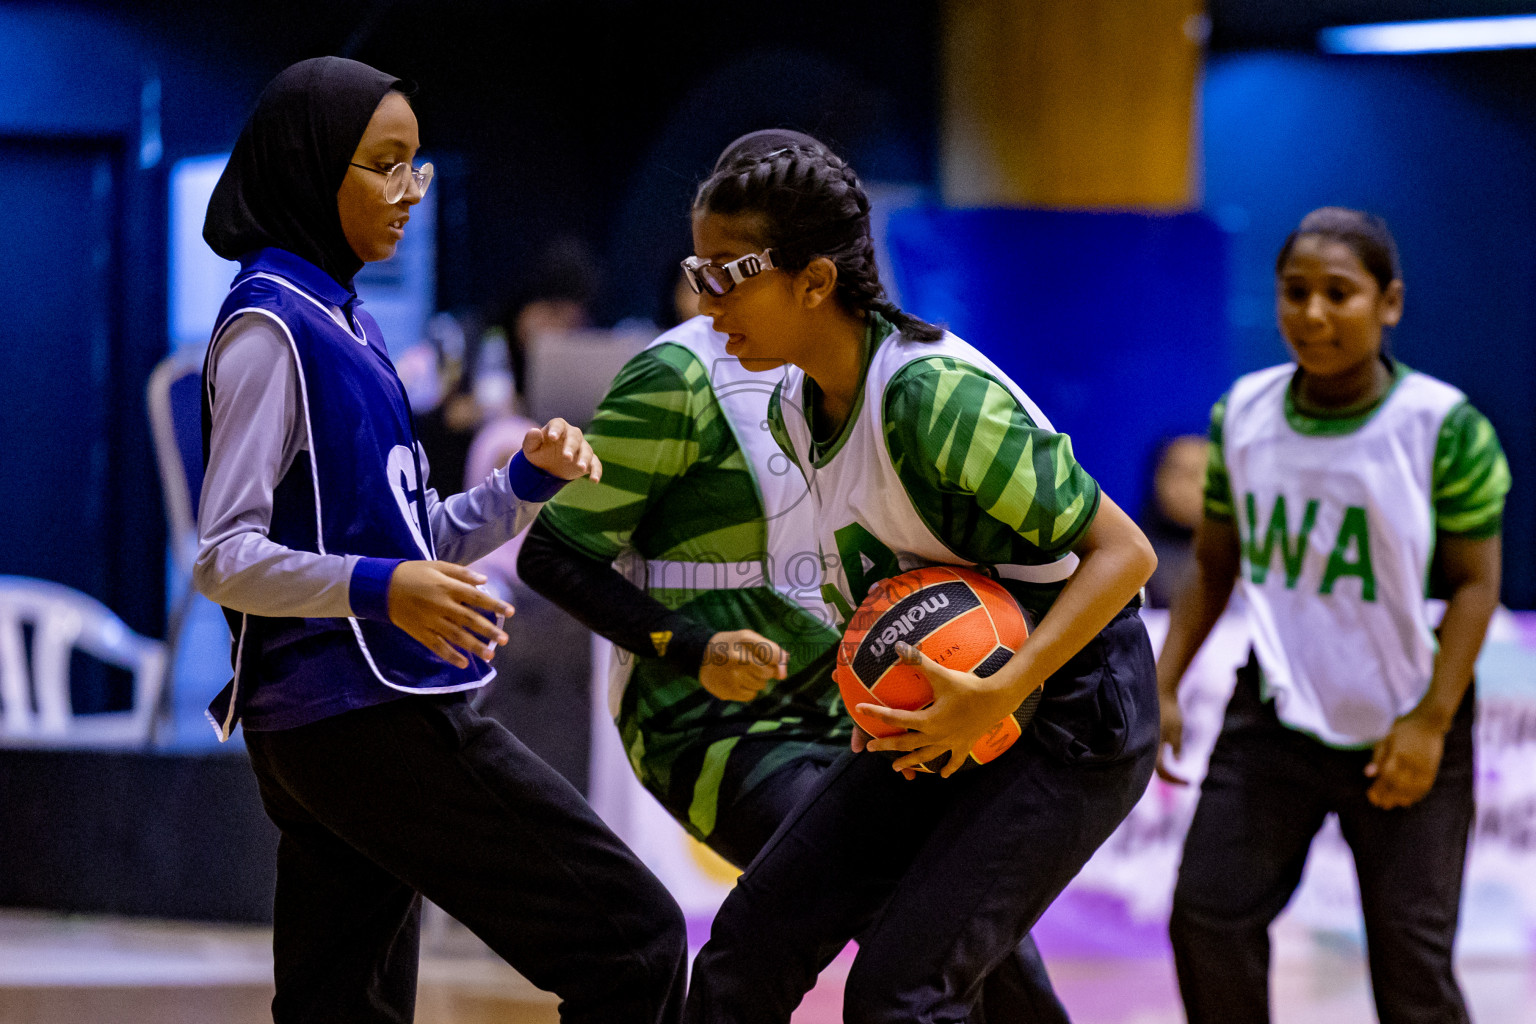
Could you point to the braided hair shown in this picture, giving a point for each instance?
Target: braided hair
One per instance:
(811, 205)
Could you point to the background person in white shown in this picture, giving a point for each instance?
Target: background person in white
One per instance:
(1338, 488)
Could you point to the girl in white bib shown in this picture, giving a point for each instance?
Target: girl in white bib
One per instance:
(1344, 492)
(917, 450)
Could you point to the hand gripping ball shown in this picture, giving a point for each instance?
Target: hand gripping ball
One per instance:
(961, 619)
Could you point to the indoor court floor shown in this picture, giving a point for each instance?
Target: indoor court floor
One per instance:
(88, 970)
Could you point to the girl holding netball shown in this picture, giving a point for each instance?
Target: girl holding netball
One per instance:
(1349, 496)
(357, 630)
(724, 694)
(917, 450)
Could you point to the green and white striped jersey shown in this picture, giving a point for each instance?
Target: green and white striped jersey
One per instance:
(698, 506)
(942, 460)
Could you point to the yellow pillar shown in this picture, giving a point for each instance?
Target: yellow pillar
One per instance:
(1071, 103)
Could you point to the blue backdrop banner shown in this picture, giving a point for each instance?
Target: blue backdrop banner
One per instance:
(1114, 323)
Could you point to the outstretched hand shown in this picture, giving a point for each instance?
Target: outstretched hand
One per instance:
(739, 663)
(439, 604)
(560, 448)
(965, 708)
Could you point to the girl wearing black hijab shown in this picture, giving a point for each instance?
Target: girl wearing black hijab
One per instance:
(357, 630)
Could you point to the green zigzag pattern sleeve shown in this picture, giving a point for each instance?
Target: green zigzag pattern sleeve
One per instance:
(648, 430)
(954, 432)
(1218, 488)
(1471, 475)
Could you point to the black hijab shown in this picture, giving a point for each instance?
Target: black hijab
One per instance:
(280, 186)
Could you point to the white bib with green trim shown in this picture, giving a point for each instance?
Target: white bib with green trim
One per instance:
(866, 523)
(1336, 533)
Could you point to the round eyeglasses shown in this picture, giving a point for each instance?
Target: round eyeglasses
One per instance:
(399, 177)
(719, 278)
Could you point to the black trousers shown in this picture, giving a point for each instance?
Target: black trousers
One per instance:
(1266, 794)
(1018, 991)
(940, 879)
(424, 795)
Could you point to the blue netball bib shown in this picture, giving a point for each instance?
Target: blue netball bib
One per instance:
(358, 490)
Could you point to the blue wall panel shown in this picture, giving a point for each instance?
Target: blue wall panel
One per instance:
(1114, 323)
(77, 82)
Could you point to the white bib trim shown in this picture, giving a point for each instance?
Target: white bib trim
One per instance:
(663, 574)
(1058, 571)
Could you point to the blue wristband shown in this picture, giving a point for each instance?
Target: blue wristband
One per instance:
(531, 483)
(368, 592)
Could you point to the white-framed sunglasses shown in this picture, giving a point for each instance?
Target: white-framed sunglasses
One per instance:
(719, 278)
(399, 178)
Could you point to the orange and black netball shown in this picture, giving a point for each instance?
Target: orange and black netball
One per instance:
(961, 619)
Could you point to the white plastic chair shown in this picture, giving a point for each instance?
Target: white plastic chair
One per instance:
(174, 396)
(35, 708)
